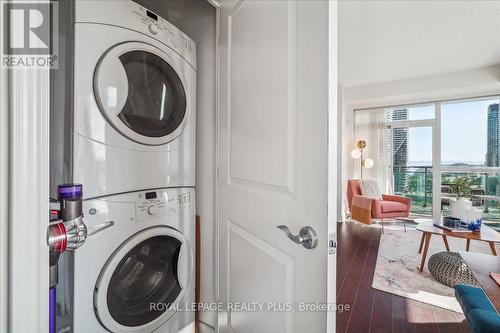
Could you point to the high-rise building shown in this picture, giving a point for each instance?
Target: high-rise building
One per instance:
(492, 152)
(400, 151)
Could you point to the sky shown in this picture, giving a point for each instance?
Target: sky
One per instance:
(463, 133)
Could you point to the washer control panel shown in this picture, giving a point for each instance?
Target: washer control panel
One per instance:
(162, 202)
(122, 210)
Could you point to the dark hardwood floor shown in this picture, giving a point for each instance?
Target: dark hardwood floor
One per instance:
(373, 310)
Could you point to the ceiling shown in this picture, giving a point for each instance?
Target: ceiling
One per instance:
(382, 41)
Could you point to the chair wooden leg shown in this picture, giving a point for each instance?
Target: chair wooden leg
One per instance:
(467, 245)
(382, 222)
(404, 224)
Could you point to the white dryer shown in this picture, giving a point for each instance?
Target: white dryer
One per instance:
(136, 270)
(135, 100)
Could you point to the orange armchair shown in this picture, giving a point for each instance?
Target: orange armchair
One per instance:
(366, 209)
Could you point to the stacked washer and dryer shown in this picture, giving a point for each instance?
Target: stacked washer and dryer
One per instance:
(134, 152)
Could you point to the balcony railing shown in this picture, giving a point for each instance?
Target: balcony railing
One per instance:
(416, 182)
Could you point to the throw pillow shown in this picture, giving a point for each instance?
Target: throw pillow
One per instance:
(370, 189)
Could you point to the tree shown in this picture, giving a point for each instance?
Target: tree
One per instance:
(413, 183)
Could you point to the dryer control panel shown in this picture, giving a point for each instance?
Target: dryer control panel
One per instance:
(132, 16)
(159, 28)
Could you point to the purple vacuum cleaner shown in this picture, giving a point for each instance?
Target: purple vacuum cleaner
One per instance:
(66, 232)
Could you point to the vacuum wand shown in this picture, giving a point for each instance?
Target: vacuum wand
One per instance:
(67, 233)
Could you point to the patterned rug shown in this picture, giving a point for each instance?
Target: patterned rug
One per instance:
(398, 261)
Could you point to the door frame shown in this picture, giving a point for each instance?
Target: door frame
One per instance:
(334, 109)
(4, 191)
(24, 198)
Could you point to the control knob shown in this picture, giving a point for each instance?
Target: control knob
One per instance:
(154, 28)
(152, 210)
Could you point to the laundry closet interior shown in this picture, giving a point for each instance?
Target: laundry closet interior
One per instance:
(133, 120)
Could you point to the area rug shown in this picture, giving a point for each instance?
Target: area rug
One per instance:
(398, 260)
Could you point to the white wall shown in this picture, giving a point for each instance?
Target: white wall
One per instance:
(197, 18)
(457, 85)
(470, 83)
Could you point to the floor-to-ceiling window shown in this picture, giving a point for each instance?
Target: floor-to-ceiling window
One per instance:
(470, 131)
(440, 151)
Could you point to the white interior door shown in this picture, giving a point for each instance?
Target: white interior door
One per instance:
(273, 164)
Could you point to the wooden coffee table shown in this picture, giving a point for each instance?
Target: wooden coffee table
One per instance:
(481, 265)
(487, 234)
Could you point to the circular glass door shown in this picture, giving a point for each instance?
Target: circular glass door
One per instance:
(140, 93)
(146, 275)
(152, 268)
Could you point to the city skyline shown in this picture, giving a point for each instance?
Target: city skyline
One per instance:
(464, 134)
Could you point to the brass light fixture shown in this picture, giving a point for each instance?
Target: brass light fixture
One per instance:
(357, 153)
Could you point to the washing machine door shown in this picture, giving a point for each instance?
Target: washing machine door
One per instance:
(141, 91)
(144, 282)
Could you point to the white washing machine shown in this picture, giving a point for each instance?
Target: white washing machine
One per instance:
(135, 272)
(135, 100)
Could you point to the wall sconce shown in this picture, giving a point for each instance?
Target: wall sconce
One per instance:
(357, 153)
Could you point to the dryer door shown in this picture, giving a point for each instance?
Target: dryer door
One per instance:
(140, 90)
(143, 283)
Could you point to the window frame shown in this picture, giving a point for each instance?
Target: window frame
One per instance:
(437, 167)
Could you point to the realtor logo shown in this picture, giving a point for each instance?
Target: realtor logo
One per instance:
(30, 34)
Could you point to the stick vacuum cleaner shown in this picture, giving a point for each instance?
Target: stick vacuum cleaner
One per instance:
(66, 232)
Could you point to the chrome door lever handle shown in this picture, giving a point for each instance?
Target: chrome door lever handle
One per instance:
(100, 227)
(307, 236)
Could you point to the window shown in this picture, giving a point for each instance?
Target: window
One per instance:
(470, 133)
(444, 150)
(419, 112)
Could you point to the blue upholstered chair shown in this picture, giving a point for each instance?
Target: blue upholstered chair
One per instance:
(478, 310)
